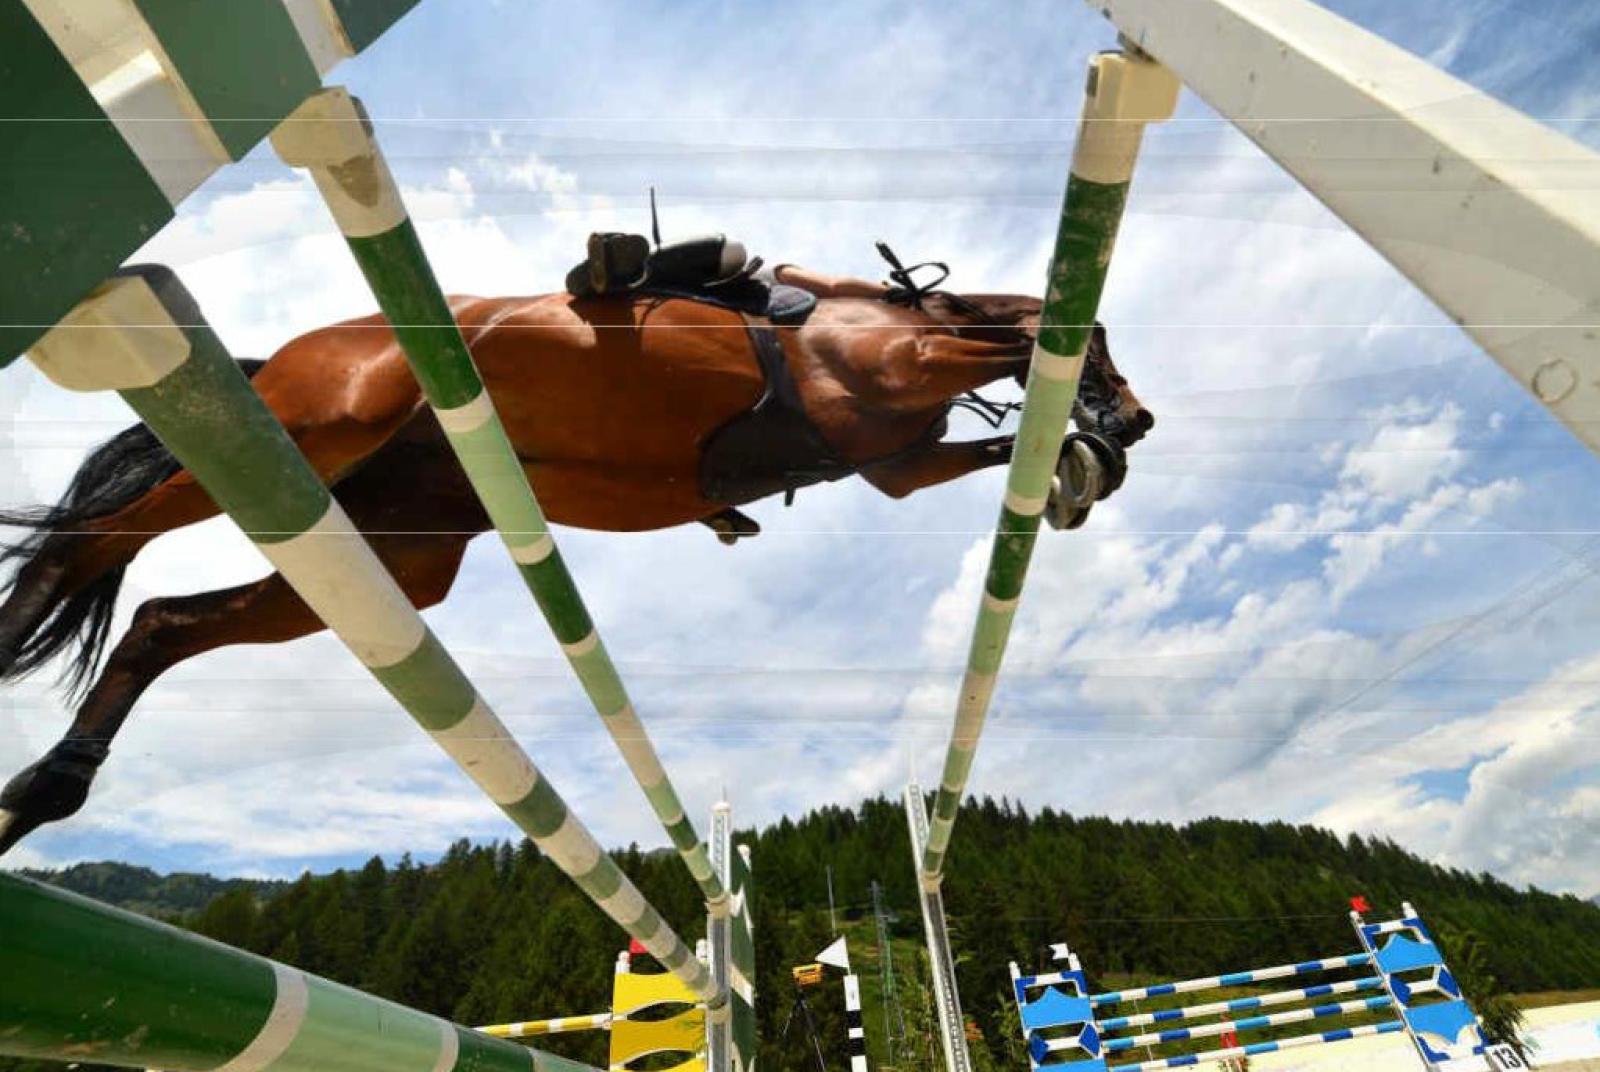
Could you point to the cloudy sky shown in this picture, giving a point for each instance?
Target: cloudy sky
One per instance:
(1349, 582)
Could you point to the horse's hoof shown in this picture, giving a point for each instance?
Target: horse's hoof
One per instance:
(52, 787)
(1090, 469)
(1075, 487)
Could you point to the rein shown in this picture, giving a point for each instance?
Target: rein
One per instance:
(992, 413)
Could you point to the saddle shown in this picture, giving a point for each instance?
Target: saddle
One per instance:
(709, 268)
(773, 447)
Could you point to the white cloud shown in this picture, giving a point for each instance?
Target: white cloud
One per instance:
(1405, 460)
(1269, 705)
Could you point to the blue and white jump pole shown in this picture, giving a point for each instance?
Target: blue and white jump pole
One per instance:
(1063, 1030)
(1217, 1008)
(1248, 1023)
(1241, 978)
(1256, 1049)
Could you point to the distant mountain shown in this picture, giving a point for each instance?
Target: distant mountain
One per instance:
(140, 889)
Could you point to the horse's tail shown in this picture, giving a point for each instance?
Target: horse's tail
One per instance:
(116, 473)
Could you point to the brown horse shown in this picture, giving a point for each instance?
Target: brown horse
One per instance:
(609, 401)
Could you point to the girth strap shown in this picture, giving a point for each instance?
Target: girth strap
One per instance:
(774, 447)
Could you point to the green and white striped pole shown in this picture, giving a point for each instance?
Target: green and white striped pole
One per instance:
(182, 383)
(1124, 93)
(330, 135)
(84, 982)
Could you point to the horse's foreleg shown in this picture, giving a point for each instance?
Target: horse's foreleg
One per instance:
(935, 464)
(167, 631)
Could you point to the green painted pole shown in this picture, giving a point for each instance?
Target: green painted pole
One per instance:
(1124, 93)
(185, 387)
(330, 134)
(83, 982)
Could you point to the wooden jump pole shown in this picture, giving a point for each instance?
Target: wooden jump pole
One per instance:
(1488, 212)
(1124, 93)
(557, 1025)
(84, 982)
(330, 134)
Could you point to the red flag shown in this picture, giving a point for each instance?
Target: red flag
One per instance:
(1358, 903)
(636, 947)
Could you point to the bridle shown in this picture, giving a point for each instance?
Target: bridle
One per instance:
(1093, 464)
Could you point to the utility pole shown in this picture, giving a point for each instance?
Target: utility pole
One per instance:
(894, 1018)
(832, 922)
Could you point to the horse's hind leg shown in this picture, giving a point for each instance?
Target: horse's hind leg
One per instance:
(419, 540)
(167, 631)
(935, 464)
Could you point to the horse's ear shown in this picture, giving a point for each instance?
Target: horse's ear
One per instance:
(1097, 339)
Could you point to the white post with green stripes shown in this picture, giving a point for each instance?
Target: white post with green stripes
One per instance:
(82, 981)
(731, 1043)
(126, 336)
(941, 959)
(330, 134)
(1124, 93)
(719, 926)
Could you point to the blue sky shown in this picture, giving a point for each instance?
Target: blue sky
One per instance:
(1350, 580)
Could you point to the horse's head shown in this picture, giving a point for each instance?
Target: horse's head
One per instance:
(1106, 404)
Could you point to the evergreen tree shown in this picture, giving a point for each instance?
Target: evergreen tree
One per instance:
(495, 933)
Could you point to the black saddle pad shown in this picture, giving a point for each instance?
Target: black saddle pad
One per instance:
(777, 302)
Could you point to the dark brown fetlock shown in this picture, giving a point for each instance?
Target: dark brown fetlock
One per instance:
(52, 787)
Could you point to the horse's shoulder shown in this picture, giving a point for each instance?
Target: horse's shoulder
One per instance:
(867, 311)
